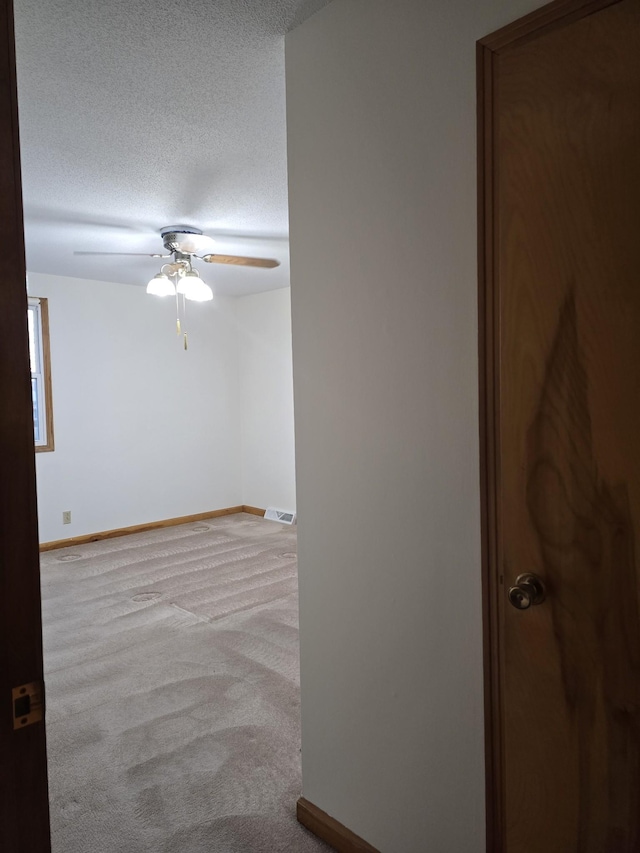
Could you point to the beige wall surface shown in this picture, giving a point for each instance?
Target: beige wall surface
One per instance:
(266, 400)
(381, 112)
(143, 429)
(146, 431)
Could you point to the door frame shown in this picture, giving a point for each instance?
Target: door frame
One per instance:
(24, 802)
(549, 17)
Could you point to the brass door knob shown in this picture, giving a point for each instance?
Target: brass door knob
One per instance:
(527, 591)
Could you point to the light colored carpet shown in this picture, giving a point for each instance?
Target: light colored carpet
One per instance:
(171, 661)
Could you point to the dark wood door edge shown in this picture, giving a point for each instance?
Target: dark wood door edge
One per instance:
(538, 23)
(487, 340)
(543, 20)
(24, 805)
(330, 830)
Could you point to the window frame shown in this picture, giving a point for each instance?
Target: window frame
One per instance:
(40, 308)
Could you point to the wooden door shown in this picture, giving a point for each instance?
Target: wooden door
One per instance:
(560, 300)
(24, 810)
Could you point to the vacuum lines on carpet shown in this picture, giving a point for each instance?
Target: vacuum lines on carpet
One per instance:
(171, 666)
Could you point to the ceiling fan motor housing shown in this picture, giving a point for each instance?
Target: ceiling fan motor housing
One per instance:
(189, 241)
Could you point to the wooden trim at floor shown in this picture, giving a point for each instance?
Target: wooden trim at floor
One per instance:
(330, 830)
(141, 528)
(254, 510)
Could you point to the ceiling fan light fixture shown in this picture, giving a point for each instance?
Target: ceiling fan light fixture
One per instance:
(161, 285)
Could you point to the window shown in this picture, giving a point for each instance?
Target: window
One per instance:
(38, 321)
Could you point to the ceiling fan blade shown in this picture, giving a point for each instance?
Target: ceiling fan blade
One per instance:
(238, 260)
(131, 254)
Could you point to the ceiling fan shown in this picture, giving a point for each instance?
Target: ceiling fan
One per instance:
(178, 277)
(183, 245)
(191, 241)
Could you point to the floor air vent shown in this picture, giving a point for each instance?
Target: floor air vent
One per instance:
(281, 515)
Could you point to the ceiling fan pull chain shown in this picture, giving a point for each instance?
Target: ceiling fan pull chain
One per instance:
(184, 318)
(178, 329)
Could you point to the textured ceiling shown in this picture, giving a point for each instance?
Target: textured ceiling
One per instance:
(139, 115)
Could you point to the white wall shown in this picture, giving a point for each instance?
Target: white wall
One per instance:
(382, 181)
(266, 400)
(143, 430)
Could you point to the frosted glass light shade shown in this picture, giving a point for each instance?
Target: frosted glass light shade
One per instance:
(194, 288)
(161, 285)
(199, 292)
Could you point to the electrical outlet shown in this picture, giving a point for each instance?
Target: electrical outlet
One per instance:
(66, 517)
